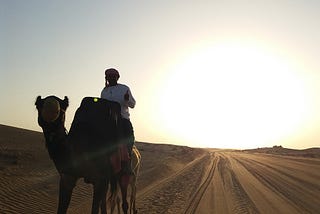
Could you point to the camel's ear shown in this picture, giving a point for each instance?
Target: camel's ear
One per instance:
(65, 103)
(39, 102)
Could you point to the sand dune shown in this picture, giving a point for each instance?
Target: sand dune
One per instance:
(173, 179)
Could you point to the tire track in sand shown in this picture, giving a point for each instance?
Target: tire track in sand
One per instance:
(285, 185)
(241, 202)
(173, 193)
(236, 199)
(196, 198)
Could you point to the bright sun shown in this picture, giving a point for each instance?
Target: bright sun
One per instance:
(232, 96)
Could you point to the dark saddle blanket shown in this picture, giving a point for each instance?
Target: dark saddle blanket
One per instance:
(96, 126)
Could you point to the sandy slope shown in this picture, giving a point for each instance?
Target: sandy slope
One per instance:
(173, 179)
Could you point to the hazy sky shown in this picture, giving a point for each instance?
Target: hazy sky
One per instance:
(224, 74)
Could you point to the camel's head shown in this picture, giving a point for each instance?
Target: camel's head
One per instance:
(51, 112)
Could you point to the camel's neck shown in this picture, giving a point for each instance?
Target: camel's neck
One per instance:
(56, 136)
(57, 146)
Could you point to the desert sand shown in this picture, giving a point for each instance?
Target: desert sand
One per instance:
(173, 179)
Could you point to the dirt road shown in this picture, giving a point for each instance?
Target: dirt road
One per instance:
(236, 182)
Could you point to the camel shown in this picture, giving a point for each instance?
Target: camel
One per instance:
(115, 199)
(71, 155)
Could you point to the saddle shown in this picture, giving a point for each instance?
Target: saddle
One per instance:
(96, 124)
(96, 133)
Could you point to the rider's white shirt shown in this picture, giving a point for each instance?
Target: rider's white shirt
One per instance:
(116, 93)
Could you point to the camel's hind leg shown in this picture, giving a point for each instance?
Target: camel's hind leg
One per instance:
(133, 183)
(115, 201)
(67, 183)
(124, 180)
(133, 197)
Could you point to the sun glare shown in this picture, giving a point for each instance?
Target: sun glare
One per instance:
(232, 96)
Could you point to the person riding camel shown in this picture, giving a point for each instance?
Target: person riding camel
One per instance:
(121, 93)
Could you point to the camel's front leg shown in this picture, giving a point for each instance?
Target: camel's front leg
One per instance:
(67, 183)
(103, 204)
(99, 189)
